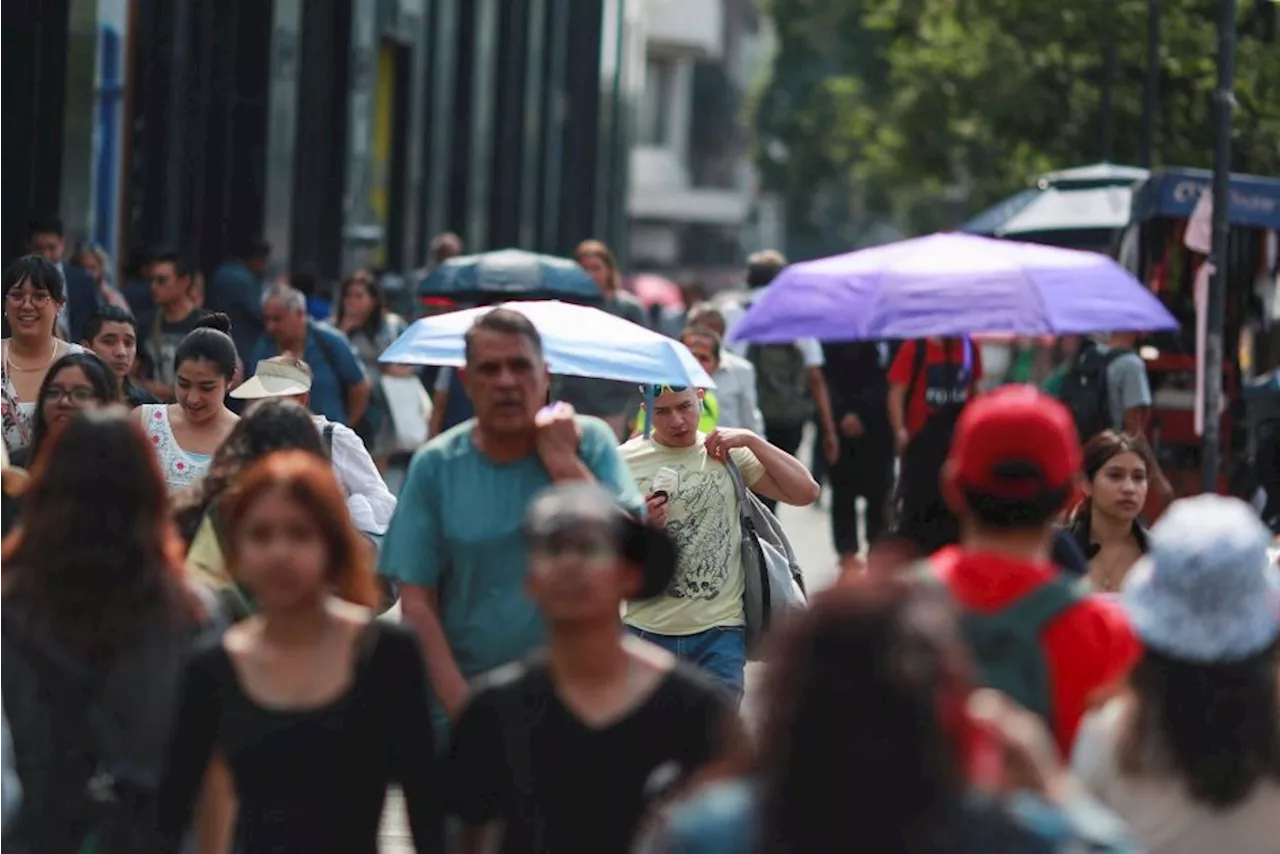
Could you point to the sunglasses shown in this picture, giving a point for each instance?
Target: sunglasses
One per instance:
(663, 389)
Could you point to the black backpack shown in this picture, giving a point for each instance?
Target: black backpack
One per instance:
(1084, 390)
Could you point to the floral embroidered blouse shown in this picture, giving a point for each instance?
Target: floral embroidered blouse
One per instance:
(181, 468)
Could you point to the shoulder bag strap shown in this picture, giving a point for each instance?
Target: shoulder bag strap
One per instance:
(917, 366)
(326, 347)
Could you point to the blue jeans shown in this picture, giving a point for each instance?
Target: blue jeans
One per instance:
(721, 652)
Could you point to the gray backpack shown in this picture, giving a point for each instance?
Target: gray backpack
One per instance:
(773, 583)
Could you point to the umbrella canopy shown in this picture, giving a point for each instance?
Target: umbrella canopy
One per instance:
(952, 284)
(654, 290)
(1055, 209)
(577, 341)
(509, 274)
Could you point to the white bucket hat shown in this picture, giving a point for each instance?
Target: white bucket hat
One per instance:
(1206, 591)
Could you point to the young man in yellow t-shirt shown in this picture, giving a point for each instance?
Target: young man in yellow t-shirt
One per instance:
(700, 617)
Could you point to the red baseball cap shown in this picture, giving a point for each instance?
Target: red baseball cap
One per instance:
(1016, 442)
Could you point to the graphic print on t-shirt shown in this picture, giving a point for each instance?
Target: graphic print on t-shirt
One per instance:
(704, 545)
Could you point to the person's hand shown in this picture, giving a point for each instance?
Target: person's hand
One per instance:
(657, 506)
(851, 426)
(722, 440)
(1029, 755)
(558, 435)
(830, 446)
(901, 438)
(399, 370)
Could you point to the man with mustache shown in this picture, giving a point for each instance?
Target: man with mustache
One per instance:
(455, 542)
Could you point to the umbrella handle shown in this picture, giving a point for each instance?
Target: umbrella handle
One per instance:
(648, 409)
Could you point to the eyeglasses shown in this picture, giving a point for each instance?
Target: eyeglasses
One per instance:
(78, 395)
(37, 298)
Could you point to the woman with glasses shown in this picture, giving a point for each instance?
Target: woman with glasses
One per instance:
(77, 382)
(34, 293)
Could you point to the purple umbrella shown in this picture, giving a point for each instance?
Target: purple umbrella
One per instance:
(952, 284)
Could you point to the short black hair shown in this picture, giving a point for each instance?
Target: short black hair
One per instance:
(104, 315)
(257, 247)
(45, 225)
(1003, 513)
(42, 275)
(181, 268)
(506, 322)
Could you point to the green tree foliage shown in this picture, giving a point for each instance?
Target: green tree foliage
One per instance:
(921, 112)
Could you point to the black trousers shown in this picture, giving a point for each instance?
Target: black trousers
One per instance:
(787, 438)
(865, 469)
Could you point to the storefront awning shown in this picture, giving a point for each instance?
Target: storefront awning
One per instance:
(1173, 193)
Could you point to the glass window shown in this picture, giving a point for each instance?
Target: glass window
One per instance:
(656, 104)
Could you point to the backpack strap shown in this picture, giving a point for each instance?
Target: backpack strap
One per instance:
(917, 367)
(1037, 608)
(326, 436)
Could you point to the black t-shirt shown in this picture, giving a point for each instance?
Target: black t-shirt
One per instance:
(158, 341)
(522, 758)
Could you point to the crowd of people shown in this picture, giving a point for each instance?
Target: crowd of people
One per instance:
(222, 631)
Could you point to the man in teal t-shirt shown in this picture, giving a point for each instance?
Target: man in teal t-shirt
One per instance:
(455, 543)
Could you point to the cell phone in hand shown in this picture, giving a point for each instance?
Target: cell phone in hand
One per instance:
(665, 482)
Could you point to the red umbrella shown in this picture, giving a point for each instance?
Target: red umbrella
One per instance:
(654, 290)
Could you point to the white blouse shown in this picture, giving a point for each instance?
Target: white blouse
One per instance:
(181, 468)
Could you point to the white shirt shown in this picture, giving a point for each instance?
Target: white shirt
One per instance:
(735, 391)
(810, 348)
(369, 502)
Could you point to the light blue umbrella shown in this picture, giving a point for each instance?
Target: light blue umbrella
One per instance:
(577, 341)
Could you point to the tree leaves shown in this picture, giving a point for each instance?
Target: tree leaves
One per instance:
(922, 112)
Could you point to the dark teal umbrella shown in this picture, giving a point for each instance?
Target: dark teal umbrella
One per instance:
(507, 274)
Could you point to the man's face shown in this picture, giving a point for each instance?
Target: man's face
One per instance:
(49, 244)
(167, 287)
(675, 417)
(287, 326)
(704, 350)
(506, 380)
(598, 270)
(117, 345)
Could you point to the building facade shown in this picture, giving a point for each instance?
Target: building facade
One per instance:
(695, 206)
(347, 132)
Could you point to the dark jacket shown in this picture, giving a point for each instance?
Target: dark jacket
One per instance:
(857, 382)
(1080, 535)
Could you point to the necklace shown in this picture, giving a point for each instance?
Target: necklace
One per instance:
(8, 360)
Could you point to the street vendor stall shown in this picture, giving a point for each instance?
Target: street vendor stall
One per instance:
(1166, 256)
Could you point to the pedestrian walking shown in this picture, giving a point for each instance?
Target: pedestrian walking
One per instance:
(339, 390)
(185, 434)
(362, 315)
(919, 769)
(790, 386)
(1034, 634)
(235, 289)
(563, 751)
(1189, 756)
(112, 333)
(313, 706)
(97, 626)
(858, 386)
(164, 327)
(34, 294)
(930, 378)
(689, 491)
(273, 426)
(735, 377)
(369, 501)
(455, 542)
(77, 382)
(1118, 470)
